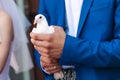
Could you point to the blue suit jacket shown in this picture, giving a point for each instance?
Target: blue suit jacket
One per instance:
(95, 52)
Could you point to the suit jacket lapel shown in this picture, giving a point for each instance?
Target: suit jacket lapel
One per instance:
(84, 12)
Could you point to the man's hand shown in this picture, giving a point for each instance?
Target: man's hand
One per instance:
(49, 45)
(50, 65)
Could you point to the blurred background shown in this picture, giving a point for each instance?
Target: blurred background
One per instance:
(29, 8)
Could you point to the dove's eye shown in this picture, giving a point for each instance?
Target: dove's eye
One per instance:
(40, 17)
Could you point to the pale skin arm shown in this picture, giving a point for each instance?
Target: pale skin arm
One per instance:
(50, 47)
(6, 35)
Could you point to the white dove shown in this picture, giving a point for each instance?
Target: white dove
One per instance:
(42, 27)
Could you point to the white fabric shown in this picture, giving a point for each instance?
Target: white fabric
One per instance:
(73, 11)
(21, 59)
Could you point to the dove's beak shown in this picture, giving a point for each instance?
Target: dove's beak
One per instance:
(35, 22)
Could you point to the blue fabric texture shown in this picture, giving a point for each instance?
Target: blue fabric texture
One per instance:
(95, 52)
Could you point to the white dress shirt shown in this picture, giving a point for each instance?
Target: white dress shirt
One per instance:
(73, 11)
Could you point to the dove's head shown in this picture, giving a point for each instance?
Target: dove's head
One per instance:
(39, 18)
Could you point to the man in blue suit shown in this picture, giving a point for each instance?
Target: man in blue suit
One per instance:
(91, 43)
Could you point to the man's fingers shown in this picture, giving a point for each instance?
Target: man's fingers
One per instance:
(45, 60)
(48, 60)
(41, 36)
(41, 53)
(53, 69)
(39, 43)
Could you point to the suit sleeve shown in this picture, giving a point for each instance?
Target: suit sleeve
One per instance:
(78, 51)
